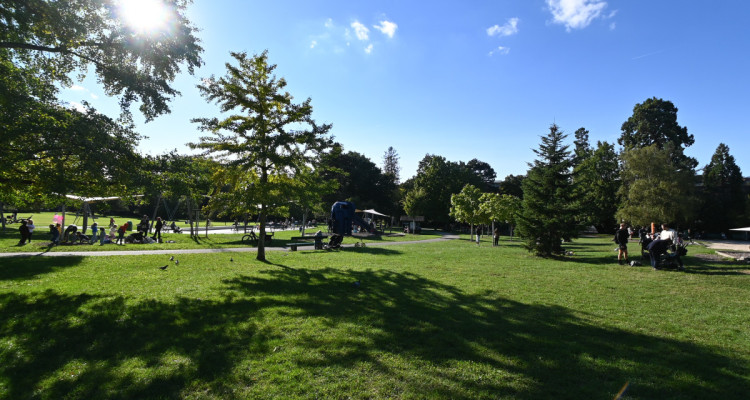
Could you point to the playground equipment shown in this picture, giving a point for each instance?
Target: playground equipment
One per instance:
(342, 218)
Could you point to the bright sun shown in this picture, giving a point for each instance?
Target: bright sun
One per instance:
(144, 16)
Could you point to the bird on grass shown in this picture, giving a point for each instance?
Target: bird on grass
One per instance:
(231, 259)
(176, 262)
(171, 258)
(164, 267)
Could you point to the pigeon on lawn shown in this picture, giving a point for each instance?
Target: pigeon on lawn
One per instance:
(231, 259)
(164, 267)
(171, 258)
(176, 262)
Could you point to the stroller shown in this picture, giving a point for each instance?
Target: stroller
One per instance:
(334, 242)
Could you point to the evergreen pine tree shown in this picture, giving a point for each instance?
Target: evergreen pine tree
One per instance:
(723, 199)
(548, 215)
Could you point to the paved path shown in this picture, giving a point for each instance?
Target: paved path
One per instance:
(199, 251)
(736, 245)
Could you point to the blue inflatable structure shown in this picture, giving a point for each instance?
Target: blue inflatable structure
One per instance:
(342, 218)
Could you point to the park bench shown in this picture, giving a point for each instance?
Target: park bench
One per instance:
(318, 241)
(293, 246)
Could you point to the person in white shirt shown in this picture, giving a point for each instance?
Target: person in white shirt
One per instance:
(666, 233)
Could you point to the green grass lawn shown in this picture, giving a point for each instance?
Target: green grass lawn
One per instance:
(173, 241)
(445, 320)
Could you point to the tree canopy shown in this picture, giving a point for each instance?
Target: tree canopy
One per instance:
(58, 38)
(654, 189)
(654, 122)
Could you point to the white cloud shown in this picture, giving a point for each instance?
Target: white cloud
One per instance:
(77, 88)
(77, 106)
(329, 23)
(387, 28)
(612, 26)
(93, 96)
(313, 44)
(510, 28)
(360, 30)
(500, 50)
(368, 49)
(576, 14)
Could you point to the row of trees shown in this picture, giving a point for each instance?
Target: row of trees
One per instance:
(267, 155)
(650, 180)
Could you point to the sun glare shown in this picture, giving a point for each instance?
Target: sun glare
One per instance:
(144, 16)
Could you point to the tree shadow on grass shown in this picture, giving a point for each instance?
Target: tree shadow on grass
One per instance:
(31, 266)
(446, 343)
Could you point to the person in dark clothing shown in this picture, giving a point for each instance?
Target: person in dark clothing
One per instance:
(621, 238)
(656, 248)
(157, 230)
(71, 229)
(24, 230)
(496, 237)
(143, 225)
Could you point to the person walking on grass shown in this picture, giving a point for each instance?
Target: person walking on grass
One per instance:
(157, 230)
(621, 238)
(496, 237)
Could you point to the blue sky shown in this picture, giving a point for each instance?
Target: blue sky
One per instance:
(477, 79)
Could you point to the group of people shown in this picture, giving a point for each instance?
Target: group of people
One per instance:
(115, 235)
(657, 243)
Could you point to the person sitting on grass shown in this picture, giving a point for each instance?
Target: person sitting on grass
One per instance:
(55, 233)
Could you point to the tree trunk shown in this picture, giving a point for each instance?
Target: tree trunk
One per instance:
(304, 221)
(190, 215)
(262, 217)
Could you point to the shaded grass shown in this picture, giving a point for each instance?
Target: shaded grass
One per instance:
(437, 320)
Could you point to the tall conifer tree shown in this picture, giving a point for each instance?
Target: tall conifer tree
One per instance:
(548, 215)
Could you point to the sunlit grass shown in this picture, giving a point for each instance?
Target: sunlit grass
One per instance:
(433, 320)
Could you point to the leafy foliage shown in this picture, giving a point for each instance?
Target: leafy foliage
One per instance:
(466, 206)
(597, 178)
(654, 189)
(271, 140)
(50, 149)
(654, 122)
(438, 179)
(57, 38)
(549, 214)
(361, 182)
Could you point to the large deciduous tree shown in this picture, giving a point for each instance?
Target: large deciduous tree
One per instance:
(58, 38)
(361, 182)
(654, 122)
(723, 201)
(438, 179)
(269, 140)
(466, 207)
(654, 189)
(549, 213)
